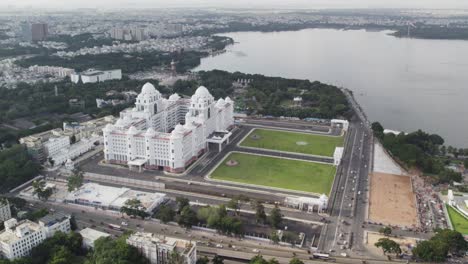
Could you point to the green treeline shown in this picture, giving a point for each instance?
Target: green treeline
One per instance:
(420, 150)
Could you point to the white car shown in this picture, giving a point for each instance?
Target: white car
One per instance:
(124, 223)
(255, 250)
(219, 246)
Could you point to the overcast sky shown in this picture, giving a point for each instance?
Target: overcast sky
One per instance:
(437, 4)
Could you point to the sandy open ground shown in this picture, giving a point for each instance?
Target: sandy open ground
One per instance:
(392, 201)
(406, 243)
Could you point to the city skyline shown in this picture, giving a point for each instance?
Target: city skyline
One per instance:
(313, 4)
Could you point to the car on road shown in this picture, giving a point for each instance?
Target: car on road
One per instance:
(124, 223)
(255, 250)
(219, 246)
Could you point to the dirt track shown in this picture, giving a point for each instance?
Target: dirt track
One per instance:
(392, 201)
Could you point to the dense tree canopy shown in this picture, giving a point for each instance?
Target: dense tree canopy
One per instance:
(437, 248)
(16, 167)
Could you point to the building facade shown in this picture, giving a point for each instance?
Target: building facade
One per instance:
(5, 212)
(94, 76)
(159, 249)
(167, 134)
(52, 223)
(19, 238)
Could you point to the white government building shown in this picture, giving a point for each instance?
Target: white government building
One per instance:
(151, 134)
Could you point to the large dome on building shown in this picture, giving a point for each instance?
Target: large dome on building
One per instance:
(148, 90)
(202, 93)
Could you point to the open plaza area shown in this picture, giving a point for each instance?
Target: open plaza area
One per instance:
(275, 172)
(306, 143)
(459, 222)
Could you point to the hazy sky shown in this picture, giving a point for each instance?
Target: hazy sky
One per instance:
(438, 4)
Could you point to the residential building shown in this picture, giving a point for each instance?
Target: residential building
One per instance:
(39, 32)
(151, 134)
(158, 249)
(5, 212)
(57, 221)
(19, 238)
(93, 76)
(90, 235)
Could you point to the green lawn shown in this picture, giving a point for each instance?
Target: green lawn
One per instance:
(276, 172)
(459, 222)
(288, 141)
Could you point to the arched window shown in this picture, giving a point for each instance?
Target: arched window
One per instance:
(209, 113)
(155, 108)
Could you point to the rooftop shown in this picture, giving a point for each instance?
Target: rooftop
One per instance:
(10, 236)
(51, 219)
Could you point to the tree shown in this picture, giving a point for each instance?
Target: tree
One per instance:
(296, 261)
(181, 203)
(388, 246)
(165, 213)
(187, 217)
(217, 260)
(203, 260)
(260, 215)
(386, 230)
(61, 256)
(234, 204)
(274, 237)
(276, 217)
(42, 192)
(258, 259)
(378, 129)
(437, 248)
(112, 251)
(175, 258)
(133, 207)
(75, 181)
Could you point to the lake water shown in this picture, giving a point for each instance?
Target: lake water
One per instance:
(406, 84)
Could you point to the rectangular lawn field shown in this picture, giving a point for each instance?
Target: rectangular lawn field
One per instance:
(320, 145)
(459, 222)
(277, 172)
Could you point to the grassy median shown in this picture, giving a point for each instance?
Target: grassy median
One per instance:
(276, 172)
(459, 222)
(293, 142)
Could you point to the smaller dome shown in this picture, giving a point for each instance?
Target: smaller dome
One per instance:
(220, 102)
(228, 100)
(132, 130)
(108, 127)
(323, 198)
(150, 132)
(179, 128)
(174, 97)
(119, 123)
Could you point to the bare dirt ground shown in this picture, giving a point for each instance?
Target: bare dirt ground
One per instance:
(392, 201)
(406, 243)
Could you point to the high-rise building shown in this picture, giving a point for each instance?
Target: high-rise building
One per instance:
(39, 31)
(26, 31)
